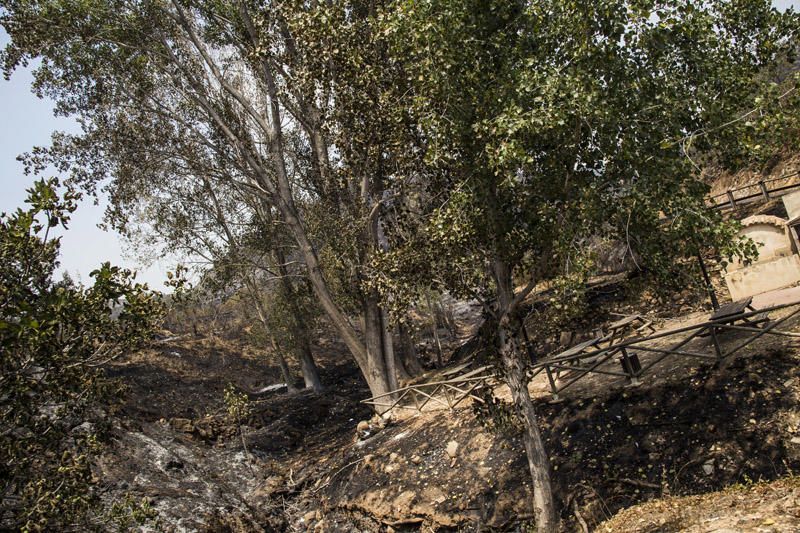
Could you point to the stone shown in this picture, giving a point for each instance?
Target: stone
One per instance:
(416, 459)
(708, 467)
(183, 425)
(452, 449)
(795, 440)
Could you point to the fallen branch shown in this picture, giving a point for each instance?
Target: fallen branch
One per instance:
(581, 522)
(348, 465)
(638, 483)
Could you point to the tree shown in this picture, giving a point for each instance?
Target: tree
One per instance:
(233, 238)
(54, 339)
(236, 83)
(548, 123)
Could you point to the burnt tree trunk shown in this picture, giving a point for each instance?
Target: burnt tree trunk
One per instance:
(513, 361)
(285, 372)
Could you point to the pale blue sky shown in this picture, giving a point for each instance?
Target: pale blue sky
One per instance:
(26, 121)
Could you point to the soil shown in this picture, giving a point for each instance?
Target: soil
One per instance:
(656, 452)
(760, 507)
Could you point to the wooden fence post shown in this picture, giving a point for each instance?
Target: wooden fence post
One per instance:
(764, 190)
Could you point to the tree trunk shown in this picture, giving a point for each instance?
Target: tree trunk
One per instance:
(284, 201)
(435, 331)
(388, 351)
(408, 352)
(262, 317)
(508, 326)
(307, 364)
(376, 372)
(538, 461)
(285, 372)
(300, 332)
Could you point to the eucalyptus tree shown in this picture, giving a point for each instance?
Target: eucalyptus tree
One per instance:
(238, 80)
(548, 123)
(195, 209)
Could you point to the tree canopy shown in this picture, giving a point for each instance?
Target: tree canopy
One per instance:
(473, 146)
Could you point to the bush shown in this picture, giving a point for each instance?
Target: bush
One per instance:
(54, 338)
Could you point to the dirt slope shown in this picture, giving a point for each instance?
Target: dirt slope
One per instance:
(695, 430)
(763, 507)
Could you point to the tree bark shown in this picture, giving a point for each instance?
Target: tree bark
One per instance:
(377, 372)
(408, 352)
(307, 364)
(508, 326)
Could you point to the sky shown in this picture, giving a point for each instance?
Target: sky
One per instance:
(27, 121)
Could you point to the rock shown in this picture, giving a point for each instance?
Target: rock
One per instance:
(86, 428)
(655, 441)
(183, 425)
(708, 467)
(452, 449)
(795, 440)
(416, 459)
(379, 421)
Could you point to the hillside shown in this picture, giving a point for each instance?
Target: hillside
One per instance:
(311, 462)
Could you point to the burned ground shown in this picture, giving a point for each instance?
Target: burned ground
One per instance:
(303, 460)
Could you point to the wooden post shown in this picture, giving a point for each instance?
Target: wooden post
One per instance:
(731, 199)
(715, 341)
(553, 387)
(764, 191)
(631, 366)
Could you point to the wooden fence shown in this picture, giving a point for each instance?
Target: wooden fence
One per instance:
(761, 191)
(636, 357)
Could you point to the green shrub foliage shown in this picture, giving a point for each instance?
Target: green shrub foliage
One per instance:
(54, 338)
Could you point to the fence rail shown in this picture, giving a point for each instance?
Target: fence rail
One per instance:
(629, 351)
(762, 190)
(637, 356)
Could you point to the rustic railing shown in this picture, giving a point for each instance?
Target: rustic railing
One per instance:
(760, 191)
(636, 357)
